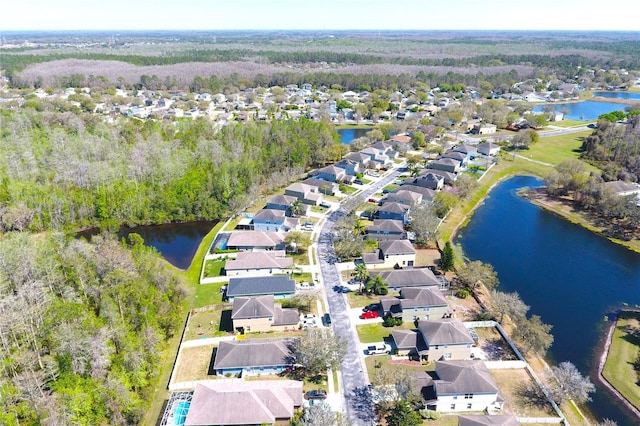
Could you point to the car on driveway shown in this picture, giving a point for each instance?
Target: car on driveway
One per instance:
(371, 307)
(358, 182)
(326, 319)
(379, 349)
(315, 394)
(369, 315)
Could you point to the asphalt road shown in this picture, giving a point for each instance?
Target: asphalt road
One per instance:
(355, 383)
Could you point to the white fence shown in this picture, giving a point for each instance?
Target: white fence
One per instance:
(537, 420)
(505, 365)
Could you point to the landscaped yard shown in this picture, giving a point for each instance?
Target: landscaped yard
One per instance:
(213, 268)
(377, 332)
(523, 397)
(618, 369)
(208, 294)
(194, 364)
(493, 345)
(210, 323)
(357, 300)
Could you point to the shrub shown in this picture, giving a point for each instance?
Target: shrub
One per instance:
(429, 414)
(382, 291)
(390, 321)
(463, 293)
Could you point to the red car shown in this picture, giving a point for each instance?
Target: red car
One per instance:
(369, 315)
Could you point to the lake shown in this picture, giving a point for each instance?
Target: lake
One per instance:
(569, 276)
(347, 135)
(585, 110)
(176, 242)
(635, 96)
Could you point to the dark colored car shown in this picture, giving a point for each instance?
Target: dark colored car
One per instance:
(371, 307)
(358, 182)
(326, 319)
(316, 394)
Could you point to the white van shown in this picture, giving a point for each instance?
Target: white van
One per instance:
(378, 349)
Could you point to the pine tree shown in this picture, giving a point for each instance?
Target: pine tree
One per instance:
(447, 257)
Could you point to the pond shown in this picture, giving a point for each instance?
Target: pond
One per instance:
(347, 135)
(586, 110)
(176, 242)
(569, 276)
(635, 96)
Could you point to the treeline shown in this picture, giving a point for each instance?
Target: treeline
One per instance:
(67, 170)
(82, 327)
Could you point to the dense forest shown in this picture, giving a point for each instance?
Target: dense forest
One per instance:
(66, 170)
(82, 326)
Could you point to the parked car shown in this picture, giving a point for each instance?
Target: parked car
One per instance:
(371, 307)
(373, 200)
(325, 205)
(369, 315)
(326, 319)
(315, 394)
(379, 349)
(384, 169)
(358, 182)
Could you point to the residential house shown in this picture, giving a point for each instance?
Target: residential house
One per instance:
(623, 189)
(243, 402)
(255, 241)
(258, 263)
(488, 148)
(386, 229)
(449, 177)
(377, 157)
(323, 186)
(417, 303)
(331, 173)
(281, 202)
(425, 193)
(280, 286)
(394, 211)
(434, 340)
(487, 129)
(461, 386)
(308, 194)
(386, 148)
(445, 164)
(401, 196)
(486, 420)
(428, 180)
(253, 314)
(391, 254)
(398, 279)
(455, 155)
(253, 357)
(363, 159)
(274, 221)
(401, 139)
(469, 150)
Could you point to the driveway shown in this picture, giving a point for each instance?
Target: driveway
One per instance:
(355, 390)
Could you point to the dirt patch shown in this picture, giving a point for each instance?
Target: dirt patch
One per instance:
(427, 257)
(523, 397)
(194, 364)
(406, 362)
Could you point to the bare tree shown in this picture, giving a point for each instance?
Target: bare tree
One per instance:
(570, 384)
(509, 304)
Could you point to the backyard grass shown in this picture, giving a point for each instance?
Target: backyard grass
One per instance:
(208, 294)
(213, 268)
(346, 189)
(357, 300)
(194, 364)
(523, 397)
(211, 323)
(625, 344)
(382, 362)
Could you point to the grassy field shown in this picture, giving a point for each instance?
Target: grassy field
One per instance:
(198, 366)
(556, 149)
(523, 397)
(369, 333)
(213, 268)
(618, 369)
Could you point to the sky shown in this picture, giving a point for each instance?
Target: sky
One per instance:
(620, 15)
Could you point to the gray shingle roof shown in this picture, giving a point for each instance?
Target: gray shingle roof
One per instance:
(253, 353)
(255, 286)
(270, 214)
(254, 239)
(399, 278)
(412, 297)
(393, 207)
(259, 260)
(253, 307)
(445, 332)
(388, 225)
(460, 377)
(282, 199)
(395, 247)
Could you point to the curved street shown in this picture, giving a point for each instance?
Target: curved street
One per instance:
(354, 380)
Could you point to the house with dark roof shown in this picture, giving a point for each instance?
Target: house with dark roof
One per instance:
(397, 279)
(402, 196)
(386, 229)
(428, 180)
(351, 167)
(253, 357)
(252, 314)
(391, 254)
(394, 211)
(363, 159)
(425, 193)
(461, 386)
(258, 263)
(469, 150)
(281, 202)
(486, 420)
(455, 155)
(435, 339)
(255, 241)
(240, 402)
(445, 164)
(449, 177)
(415, 303)
(331, 173)
(280, 286)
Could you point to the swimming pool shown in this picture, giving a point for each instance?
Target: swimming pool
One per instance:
(180, 410)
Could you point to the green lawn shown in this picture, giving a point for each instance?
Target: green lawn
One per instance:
(357, 300)
(556, 149)
(618, 369)
(208, 294)
(213, 268)
(375, 332)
